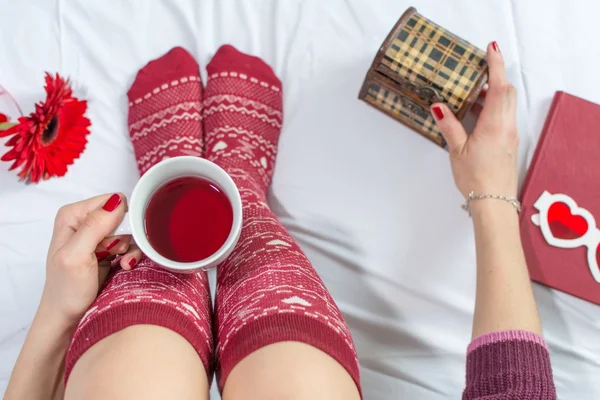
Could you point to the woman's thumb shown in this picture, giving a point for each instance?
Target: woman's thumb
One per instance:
(451, 128)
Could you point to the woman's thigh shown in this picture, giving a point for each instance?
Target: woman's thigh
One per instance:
(140, 362)
(290, 371)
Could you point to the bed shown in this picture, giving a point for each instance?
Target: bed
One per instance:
(372, 203)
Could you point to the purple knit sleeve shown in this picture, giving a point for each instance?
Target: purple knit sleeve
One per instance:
(509, 365)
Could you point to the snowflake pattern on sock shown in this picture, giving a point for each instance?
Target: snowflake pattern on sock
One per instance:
(165, 109)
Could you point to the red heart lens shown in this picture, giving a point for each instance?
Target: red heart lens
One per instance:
(563, 224)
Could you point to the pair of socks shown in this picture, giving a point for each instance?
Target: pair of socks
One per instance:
(267, 290)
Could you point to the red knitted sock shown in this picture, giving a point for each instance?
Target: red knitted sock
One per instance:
(164, 120)
(165, 109)
(267, 290)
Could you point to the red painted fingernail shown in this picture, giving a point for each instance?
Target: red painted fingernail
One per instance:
(112, 203)
(495, 46)
(132, 262)
(112, 244)
(101, 255)
(439, 114)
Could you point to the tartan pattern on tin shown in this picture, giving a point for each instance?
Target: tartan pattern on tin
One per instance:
(405, 111)
(426, 54)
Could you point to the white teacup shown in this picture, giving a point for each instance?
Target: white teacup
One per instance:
(158, 175)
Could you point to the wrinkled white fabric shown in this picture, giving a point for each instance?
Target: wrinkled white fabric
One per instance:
(372, 203)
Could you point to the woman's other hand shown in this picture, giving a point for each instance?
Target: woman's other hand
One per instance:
(485, 161)
(80, 253)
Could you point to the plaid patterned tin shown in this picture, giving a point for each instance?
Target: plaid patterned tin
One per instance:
(421, 63)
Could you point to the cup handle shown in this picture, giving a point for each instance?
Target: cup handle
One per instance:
(124, 227)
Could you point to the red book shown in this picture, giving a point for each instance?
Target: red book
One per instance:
(561, 200)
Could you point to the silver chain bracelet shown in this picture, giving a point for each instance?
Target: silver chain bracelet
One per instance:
(472, 196)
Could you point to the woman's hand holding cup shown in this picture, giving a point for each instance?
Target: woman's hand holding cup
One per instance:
(80, 253)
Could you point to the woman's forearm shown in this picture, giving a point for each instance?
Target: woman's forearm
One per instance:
(507, 358)
(504, 298)
(506, 327)
(38, 373)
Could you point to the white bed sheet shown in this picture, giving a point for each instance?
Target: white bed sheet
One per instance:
(372, 203)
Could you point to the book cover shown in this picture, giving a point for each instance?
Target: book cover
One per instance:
(561, 200)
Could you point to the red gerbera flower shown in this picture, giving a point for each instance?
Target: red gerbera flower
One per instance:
(52, 137)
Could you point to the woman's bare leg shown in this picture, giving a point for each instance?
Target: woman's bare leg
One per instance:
(279, 333)
(148, 335)
(289, 370)
(139, 362)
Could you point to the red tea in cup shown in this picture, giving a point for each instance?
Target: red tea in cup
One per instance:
(188, 219)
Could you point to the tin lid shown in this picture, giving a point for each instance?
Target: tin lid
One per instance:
(430, 64)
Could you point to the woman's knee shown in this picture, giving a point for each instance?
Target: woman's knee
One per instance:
(292, 371)
(141, 361)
